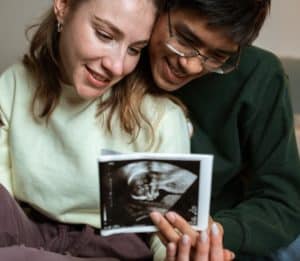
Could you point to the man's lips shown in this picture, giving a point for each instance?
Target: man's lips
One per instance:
(170, 74)
(179, 74)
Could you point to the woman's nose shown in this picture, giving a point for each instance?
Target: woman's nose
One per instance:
(114, 62)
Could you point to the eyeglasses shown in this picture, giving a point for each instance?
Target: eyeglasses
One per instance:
(183, 49)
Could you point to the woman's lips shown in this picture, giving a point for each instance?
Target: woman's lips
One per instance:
(96, 79)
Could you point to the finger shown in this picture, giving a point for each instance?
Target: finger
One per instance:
(182, 225)
(171, 252)
(216, 247)
(184, 248)
(162, 239)
(202, 247)
(228, 255)
(165, 228)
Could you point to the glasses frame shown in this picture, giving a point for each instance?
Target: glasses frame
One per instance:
(226, 67)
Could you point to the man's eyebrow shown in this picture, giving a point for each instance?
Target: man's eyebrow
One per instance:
(187, 32)
(227, 52)
(197, 41)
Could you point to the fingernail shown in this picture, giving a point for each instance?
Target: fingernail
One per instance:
(215, 229)
(171, 246)
(155, 217)
(171, 217)
(185, 239)
(232, 256)
(203, 236)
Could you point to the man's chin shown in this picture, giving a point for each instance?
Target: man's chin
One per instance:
(169, 87)
(165, 85)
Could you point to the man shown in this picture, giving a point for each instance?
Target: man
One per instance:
(238, 100)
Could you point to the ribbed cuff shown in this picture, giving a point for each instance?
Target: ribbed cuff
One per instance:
(233, 233)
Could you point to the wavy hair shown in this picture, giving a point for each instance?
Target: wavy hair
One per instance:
(42, 61)
(127, 96)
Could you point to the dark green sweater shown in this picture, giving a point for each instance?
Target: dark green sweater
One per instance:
(245, 119)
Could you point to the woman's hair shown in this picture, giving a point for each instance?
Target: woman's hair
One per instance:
(43, 62)
(127, 96)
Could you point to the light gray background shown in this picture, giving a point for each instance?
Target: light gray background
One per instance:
(15, 17)
(280, 34)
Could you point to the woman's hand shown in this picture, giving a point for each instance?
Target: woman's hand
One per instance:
(184, 243)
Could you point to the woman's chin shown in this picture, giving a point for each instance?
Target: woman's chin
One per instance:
(89, 93)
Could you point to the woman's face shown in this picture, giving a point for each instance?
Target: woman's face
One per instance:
(101, 41)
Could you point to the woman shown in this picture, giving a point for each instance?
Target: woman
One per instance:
(57, 112)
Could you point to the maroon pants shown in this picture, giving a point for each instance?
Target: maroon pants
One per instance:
(38, 238)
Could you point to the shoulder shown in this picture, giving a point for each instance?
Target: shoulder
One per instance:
(12, 77)
(256, 71)
(12, 83)
(170, 124)
(164, 113)
(160, 106)
(17, 70)
(257, 60)
(261, 73)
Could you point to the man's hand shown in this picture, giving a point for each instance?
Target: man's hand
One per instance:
(185, 243)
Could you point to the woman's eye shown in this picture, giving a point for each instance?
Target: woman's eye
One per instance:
(104, 36)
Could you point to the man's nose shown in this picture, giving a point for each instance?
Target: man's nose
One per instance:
(191, 65)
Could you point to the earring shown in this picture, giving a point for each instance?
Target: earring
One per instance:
(59, 26)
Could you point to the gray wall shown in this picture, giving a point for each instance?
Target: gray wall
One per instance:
(280, 33)
(15, 17)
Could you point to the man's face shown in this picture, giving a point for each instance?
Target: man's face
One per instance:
(171, 71)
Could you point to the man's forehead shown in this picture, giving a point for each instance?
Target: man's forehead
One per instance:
(196, 27)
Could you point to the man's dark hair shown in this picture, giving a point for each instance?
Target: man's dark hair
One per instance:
(241, 20)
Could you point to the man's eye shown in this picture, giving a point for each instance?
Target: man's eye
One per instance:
(104, 36)
(183, 39)
(134, 51)
(220, 58)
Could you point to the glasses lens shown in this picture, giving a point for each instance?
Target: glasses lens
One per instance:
(231, 63)
(209, 64)
(181, 49)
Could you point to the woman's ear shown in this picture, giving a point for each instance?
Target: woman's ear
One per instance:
(60, 9)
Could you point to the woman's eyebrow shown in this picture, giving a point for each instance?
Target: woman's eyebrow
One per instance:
(142, 42)
(109, 24)
(116, 30)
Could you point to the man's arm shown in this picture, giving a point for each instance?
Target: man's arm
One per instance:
(245, 119)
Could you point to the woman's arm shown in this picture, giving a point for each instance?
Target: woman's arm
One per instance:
(8, 82)
(5, 170)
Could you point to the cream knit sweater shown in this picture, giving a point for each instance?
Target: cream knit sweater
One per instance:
(53, 166)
